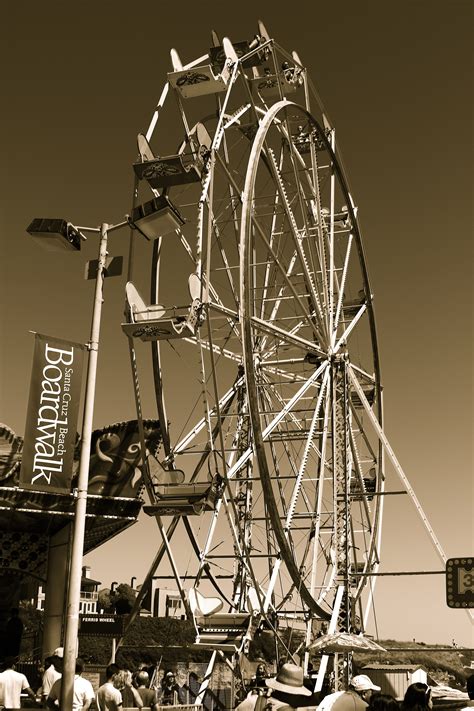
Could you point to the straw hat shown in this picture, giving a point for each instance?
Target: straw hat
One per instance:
(290, 680)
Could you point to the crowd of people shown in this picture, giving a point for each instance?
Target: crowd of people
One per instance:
(122, 688)
(287, 691)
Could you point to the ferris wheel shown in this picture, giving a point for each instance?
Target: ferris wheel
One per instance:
(264, 352)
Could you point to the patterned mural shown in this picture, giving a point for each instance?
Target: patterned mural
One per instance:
(115, 458)
(24, 552)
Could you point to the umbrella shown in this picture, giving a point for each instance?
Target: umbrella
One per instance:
(344, 642)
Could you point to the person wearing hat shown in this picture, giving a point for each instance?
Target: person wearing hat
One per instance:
(287, 689)
(170, 690)
(287, 692)
(356, 698)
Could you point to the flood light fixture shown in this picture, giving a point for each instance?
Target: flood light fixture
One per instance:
(54, 234)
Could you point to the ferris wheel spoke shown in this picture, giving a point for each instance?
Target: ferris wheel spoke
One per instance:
(341, 291)
(227, 266)
(292, 402)
(300, 548)
(220, 308)
(319, 498)
(278, 299)
(282, 375)
(298, 234)
(273, 424)
(363, 433)
(302, 175)
(331, 235)
(286, 336)
(310, 176)
(359, 479)
(287, 281)
(273, 228)
(343, 339)
(316, 209)
(305, 455)
(186, 245)
(285, 434)
(218, 350)
(224, 400)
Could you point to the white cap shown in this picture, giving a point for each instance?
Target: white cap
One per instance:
(362, 682)
(59, 652)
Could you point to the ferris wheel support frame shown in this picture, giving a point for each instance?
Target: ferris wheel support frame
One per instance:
(342, 460)
(398, 468)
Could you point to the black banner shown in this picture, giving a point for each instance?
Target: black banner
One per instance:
(51, 421)
(101, 625)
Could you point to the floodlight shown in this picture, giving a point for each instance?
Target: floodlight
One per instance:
(55, 234)
(156, 217)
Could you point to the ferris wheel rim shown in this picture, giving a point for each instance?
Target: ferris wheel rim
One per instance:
(246, 226)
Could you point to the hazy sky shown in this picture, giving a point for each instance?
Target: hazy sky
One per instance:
(79, 80)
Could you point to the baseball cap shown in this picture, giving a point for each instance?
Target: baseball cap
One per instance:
(59, 652)
(362, 682)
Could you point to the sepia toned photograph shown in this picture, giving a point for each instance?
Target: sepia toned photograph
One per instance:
(236, 462)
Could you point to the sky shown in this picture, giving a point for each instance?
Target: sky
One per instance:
(79, 81)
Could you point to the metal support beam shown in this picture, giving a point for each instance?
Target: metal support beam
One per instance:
(342, 464)
(400, 472)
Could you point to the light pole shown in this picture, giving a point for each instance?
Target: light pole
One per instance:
(79, 524)
(71, 236)
(151, 219)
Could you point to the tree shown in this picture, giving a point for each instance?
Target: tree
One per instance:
(123, 598)
(105, 600)
(119, 600)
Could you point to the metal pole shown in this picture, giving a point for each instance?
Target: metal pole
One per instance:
(397, 466)
(77, 549)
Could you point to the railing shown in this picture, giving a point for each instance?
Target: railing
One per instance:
(89, 595)
(177, 707)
